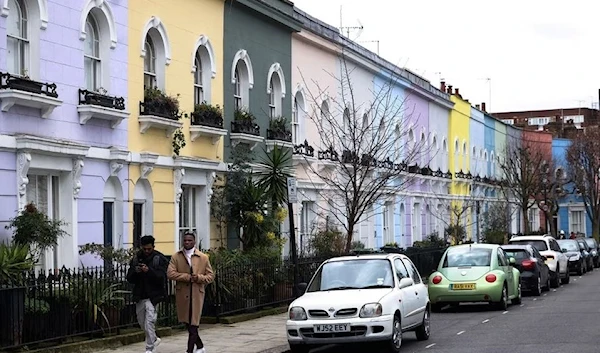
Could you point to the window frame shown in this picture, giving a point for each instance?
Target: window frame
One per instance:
(189, 205)
(23, 42)
(150, 58)
(96, 58)
(199, 93)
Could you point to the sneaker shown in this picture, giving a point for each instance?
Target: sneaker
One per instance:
(157, 342)
(201, 350)
(149, 352)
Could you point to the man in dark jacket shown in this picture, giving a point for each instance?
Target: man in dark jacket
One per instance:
(148, 273)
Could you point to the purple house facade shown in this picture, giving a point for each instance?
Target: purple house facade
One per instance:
(63, 138)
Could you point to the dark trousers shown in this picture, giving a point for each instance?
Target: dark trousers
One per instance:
(193, 339)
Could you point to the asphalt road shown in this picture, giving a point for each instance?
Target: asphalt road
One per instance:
(565, 319)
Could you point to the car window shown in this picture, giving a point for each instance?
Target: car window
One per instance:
(401, 271)
(536, 253)
(591, 243)
(570, 245)
(554, 245)
(414, 274)
(518, 254)
(538, 244)
(467, 257)
(352, 274)
(502, 261)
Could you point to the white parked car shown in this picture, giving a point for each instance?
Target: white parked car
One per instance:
(557, 261)
(363, 298)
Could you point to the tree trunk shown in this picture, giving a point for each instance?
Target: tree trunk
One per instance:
(552, 226)
(525, 226)
(349, 237)
(596, 225)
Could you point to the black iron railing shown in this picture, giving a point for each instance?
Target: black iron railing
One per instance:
(210, 120)
(245, 127)
(328, 154)
(94, 98)
(19, 83)
(279, 135)
(304, 149)
(160, 109)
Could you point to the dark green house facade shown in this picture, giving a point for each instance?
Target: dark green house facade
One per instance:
(257, 54)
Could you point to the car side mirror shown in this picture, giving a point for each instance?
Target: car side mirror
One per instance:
(564, 250)
(405, 282)
(544, 258)
(302, 287)
(512, 261)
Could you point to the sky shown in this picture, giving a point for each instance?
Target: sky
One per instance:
(536, 54)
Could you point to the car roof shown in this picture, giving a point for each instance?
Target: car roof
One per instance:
(565, 240)
(476, 245)
(530, 237)
(365, 257)
(517, 246)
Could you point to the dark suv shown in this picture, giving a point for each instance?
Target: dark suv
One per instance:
(594, 250)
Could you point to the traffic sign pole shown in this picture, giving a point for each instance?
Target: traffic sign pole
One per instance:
(293, 198)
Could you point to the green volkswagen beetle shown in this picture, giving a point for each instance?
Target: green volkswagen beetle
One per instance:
(473, 273)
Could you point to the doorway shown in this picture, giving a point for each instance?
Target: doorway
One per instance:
(138, 225)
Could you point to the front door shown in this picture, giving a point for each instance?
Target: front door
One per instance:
(108, 220)
(138, 209)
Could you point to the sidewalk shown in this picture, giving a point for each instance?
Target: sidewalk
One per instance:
(266, 334)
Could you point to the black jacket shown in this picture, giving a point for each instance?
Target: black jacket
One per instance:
(152, 284)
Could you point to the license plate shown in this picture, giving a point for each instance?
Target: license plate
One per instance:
(332, 328)
(463, 286)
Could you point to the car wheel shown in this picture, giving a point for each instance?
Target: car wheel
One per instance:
(566, 279)
(437, 307)
(580, 271)
(503, 303)
(537, 291)
(547, 288)
(555, 278)
(299, 348)
(517, 300)
(423, 331)
(591, 266)
(396, 340)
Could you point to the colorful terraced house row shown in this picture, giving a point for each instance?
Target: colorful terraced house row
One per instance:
(108, 118)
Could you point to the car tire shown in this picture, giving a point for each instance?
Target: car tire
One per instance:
(580, 271)
(566, 279)
(517, 300)
(547, 286)
(424, 331)
(555, 278)
(503, 303)
(437, 307)
(395, 342)
(300, 348)
(537, 291)
(591, 269)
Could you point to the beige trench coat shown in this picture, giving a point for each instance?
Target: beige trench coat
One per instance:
(179, 271)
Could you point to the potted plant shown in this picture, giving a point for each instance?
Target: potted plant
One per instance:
(156, 102)
(278, 129)
(244, 122)
(207, 115)
(36, 323)
(24, 83)
(101, 98)
(15, 261)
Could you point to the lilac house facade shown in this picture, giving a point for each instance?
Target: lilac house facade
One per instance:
(63, 134)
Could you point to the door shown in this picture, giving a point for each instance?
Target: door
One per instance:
(386, 225)
(420, 291)
(108, 220)
(408, 296)
(138, 210)
(503, 263)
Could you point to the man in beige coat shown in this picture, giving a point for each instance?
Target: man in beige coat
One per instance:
(191, 270)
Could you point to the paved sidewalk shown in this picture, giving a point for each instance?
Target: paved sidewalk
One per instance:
(266, 334)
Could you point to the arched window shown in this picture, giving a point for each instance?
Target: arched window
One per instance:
(465, 156)
(297, 110)
(435, 161)
(204, 70)
(199, 97)
(275, 90)
(474, 160)
(243, 79)
(92, 62)
(325, 128)
(485, 168)
(422, 150)
(398, 145)
(492, 165)
(17, 58)
(150, 64)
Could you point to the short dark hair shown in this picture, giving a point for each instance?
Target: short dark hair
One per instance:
(147, 240)
(190, 233)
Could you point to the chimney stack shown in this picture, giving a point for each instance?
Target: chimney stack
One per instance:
(483, 107)
(457, 93)
(443, 86)
(477, 106)
(449, 89)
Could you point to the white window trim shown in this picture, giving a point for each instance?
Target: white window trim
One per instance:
(203, 49)
(300, 114)
(155, 22)
(583, 218)
(203, 41)
(103, 6)
(243, 56)
(41, 13)
(276, 68)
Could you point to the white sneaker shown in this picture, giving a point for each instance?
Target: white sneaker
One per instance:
(201, 350)
(149, 352)
(157, 342)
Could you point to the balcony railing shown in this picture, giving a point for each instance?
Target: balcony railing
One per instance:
(18, 83)
(328, 154)
(94, 98)
(245, 127)
(160, 109)
(279, 135)
(304, 149)
(210, 120)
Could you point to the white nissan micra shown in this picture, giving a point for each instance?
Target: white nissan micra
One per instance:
(363, 298)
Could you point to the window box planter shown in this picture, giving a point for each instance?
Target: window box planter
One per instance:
(244, 129)
(159, 111)
(207, 120)
(22, 91)
(101, 106)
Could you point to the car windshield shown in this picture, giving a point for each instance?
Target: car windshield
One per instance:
(538, 244)
(467, 257)
(518, 254)
(353, 274)
(570, 245)
(590, 242)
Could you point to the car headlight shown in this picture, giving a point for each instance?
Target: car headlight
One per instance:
(594, 253)
(298, 314)
(371, 310)
(574, 257)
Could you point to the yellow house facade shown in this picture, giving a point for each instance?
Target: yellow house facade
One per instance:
(459, 128)
(175, 57)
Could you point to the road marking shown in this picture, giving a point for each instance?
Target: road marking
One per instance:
(554, 290)
(507, 311)
(545, 294)
(486, 320)
(522, 305)
(429, 346)
(460, 333)
(579, 276)
(534, 299)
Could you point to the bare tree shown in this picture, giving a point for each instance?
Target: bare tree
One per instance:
(366, 147)
(552, 189)
(522, 165)
(455, 215)
(583, 163)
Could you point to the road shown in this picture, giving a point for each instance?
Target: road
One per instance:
(563, 320)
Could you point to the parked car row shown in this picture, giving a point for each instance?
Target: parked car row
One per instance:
(377, 297)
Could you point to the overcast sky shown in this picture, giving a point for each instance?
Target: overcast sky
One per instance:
(538, 54)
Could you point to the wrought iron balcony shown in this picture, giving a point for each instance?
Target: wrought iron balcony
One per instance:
(245, 127)
(94, 98)
(211, 120)
(279, 135)
(328, 154)
(304, 149)
(25, 84)
(160, 109)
